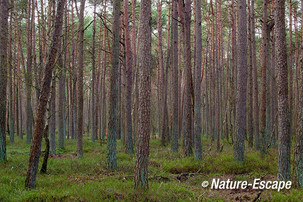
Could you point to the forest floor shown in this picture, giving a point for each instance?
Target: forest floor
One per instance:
(172, 177)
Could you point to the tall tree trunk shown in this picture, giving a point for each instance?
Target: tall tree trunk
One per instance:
(290, 68)
(263, 80)
(273, 86)
(74, 80)
(234, 65)
(282, 83)
(93, 124)
(161, 71)
(187, 81)
(142, 152)
(134, 67)
(11, 78)
(30, 182)
(239, 146)
(80, 81)
(3, 74)
(34, 58)
(197, 124)
(165, 123)
(99, 82)
(298, 170)
(296, 64)
(103, 79)
(249, 83)
(28, 77)
(113, 94)
(175, 67)
(255, 78)
(129, 82)
(212, 75)
(17, 75)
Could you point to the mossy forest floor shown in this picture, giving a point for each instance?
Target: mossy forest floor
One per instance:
(172, 177)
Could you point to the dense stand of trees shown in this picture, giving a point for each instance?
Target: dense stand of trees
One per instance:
(174, 70)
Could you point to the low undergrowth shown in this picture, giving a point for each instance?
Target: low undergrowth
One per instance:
(172, 177)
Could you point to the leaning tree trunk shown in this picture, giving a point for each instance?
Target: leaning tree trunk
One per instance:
(282, 83)
(41, 109)
(46, 154)
(142, 153)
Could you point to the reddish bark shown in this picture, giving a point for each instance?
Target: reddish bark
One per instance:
(41, 109)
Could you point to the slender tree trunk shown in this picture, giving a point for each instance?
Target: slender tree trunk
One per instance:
(273, 86)
(129, 82)
(44, 164)
(263, 80)
(17, 75)
(80, 81)
(52, 121)
(74, 80)
(249, 83)
(134, 64)
(296, 61)
(290, 68)
(234, 66)
(161, 71)
(3, 74)
(255, 78)
(29, 77)
(198, 131)
(187, 81)
(62, 83)
(34, 58)
(175, 66)
(298, 170)
(61, 100)
(99, 83)
(165, 122)
(212, 73)
(11, 78)
(93, 125)
(103, 79)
